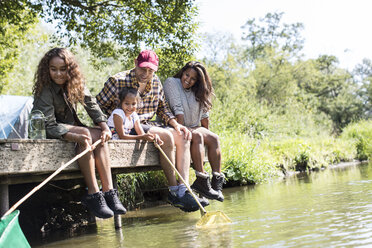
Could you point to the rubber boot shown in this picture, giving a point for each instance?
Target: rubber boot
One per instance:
(217, 185)
(202, 185)
(112, 200)
(96, 203)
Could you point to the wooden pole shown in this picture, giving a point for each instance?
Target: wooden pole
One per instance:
(4, 198)
(117, 218)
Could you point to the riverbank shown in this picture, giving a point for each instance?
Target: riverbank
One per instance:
(248, 160)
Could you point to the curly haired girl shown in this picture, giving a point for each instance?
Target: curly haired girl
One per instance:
(59, 87)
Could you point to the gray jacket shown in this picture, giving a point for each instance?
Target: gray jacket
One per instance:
(183, 102)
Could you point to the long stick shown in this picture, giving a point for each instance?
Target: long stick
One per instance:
(51, 176)
(183, 180)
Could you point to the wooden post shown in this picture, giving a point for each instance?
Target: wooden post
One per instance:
(4, 198)
(117, 218)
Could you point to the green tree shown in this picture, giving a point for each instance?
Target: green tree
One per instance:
(271, 47)
(273, 75)
(34, 45)
(269, 32)
(269, 69)
(115, 29)
(216, 47)
(15, 20)
(330, 90)
(363, 76)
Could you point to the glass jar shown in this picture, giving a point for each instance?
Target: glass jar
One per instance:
(36, 125)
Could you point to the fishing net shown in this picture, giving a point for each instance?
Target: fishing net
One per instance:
(11, 234)
(212, 219)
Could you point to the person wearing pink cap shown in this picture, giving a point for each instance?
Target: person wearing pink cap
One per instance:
(150, 89)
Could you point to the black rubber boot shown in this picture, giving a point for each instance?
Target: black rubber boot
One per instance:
(174, 200)
(217, 185)
(203, 186)
(203, 201)
(113, 202)
(96, 203)
(189, 203)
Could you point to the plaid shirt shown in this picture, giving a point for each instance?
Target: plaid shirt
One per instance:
(153, 99)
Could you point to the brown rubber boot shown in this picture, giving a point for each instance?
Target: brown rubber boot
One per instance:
(202, 185)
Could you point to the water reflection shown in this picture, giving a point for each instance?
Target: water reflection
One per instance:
(169, 227)
(329, 208)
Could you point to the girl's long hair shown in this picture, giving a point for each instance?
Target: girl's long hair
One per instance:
(202, 89)
(75, 80)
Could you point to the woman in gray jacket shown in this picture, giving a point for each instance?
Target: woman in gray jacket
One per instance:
(189, 95)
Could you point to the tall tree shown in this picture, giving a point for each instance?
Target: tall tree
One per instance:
(273, 75)
(270, 32)
(363, 76)
(118, 28)
(15, 20)
(35, 43)
(330, 89)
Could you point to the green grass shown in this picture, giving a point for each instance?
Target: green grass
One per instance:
(249, 161)
(361, 134)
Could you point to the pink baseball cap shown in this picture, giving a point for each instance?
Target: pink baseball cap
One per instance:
(148, 58)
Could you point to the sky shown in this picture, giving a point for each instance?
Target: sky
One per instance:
(334, 27)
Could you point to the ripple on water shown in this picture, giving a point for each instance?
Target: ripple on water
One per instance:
(325, 209)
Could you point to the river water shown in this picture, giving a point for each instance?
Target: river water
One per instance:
(331, 208)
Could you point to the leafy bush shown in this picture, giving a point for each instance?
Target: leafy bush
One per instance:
(248, 161)
(131, 186)
(361, 134)
(242, 164)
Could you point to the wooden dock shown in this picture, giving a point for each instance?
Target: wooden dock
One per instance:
(31, 161)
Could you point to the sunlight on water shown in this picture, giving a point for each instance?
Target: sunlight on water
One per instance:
(332, 208)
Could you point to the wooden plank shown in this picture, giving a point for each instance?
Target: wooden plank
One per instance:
(66, 175)
(25, 156)
(43, 156)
